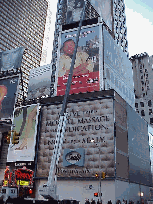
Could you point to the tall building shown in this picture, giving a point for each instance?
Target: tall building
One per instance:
(119, 22)
(110, 12)
(142, 66)
(22, 25)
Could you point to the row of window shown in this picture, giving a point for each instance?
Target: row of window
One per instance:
(17, 44)
(142, 104)
(143, 112)
(25, 7)
(28, 24)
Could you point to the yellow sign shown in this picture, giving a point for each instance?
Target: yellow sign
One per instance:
(23, 183)
(5, 182)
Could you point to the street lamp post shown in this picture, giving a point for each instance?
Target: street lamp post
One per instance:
(99, 173)
(99, 176)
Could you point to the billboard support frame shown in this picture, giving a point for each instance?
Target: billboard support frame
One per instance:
(37, 141)
(22, 86)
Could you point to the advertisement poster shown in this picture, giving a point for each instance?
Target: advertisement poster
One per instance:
(104, 9)
(74, 9)
(86, 69)
(87, 120)
(8, 90)
(39, 82)
(118, 70)
(11, 59)
(25, 121)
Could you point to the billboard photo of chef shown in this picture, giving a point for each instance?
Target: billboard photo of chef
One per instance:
(86, 68)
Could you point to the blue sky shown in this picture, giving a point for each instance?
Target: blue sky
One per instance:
(139, 22)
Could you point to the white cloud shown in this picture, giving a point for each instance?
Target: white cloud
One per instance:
(139, 33)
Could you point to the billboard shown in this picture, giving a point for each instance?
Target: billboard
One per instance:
(8, 90)
(104, 9)
(118, 70)
(74, 9)
(39, 82)
(11, 59)
(86, 69)
(87, 120)
(25, 121)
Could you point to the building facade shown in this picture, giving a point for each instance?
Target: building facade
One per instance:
(118, 133)
(110, 13)
(143, 85)
(22, 25)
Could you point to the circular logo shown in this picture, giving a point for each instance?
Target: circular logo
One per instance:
(73, 157)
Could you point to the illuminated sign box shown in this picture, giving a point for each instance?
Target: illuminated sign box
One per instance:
(23, 183)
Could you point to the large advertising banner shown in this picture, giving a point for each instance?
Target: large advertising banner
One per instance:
(25, 121)
(87, 121)
(118, 70)
(74, 9)
(11, 59)
(8, 91)
(86, 69)
(104, 9)
(39, 82)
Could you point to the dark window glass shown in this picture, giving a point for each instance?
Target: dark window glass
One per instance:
(141, 104)
(149, 103)
(150, 111)
(142, 113)
(151, 120)
(136, 105)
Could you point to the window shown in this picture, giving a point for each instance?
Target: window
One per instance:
(3, 191)
(150, 111)
(149, 103)
(151, 120)
(141, 104)
(136, 105)
(142, 113)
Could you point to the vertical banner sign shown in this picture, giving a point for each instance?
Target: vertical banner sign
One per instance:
(39, 82)
(74, 9)
(8, 89)
(86, 69)
(25, 121)
(118, 70)
(11, 59)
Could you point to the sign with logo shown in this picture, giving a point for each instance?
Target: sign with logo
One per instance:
(73, 157)
(22, 183)
(23, 177)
